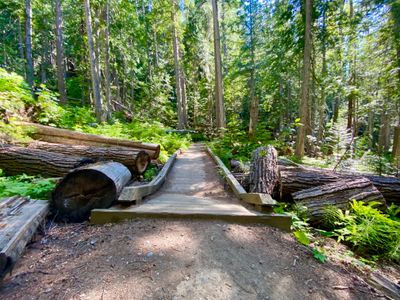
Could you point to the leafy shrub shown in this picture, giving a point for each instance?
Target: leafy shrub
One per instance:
(32, 186)
(150, 173)
(369, 231)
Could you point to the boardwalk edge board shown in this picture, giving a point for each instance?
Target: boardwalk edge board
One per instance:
(132, 194)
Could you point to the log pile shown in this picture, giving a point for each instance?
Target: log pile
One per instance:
(94, 168)
(316, 188)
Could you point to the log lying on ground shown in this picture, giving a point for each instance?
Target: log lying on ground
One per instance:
(264, 173)
(70, 137)
(93, 186)
(18, 160)
(136, 160)
(338, 194)
(294, 179)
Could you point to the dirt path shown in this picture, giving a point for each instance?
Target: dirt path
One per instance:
(157, 259)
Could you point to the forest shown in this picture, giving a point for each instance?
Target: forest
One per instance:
(319, 80)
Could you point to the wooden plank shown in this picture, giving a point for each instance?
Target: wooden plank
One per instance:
(136, 193)
(104, 216)
(18, 228)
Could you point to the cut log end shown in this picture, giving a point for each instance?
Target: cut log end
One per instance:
(142, 162)
(93, 186)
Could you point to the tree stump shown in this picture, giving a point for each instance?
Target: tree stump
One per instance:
(264, 174)
(338, 194)
(93, 186)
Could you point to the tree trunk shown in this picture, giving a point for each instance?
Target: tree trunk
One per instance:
(28, 42)
(396, 143)
(305, 85)
(219, 90)
(18, 160)
(93, 64)
(69, 137)
(93, 186)
(294, 179)
(384, 132)
(322, 104)
(253, 96)
(60, 54)
(338, 194)
(107, 60)
(264, 173)
(178, 82)
(135, 160)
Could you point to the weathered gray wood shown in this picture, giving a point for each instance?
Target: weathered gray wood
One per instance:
(137, 193)
(264, 173)
(294, 179)
(70, 137)
(338, 194)
(93, 186)
(17, 160)
(135, 159)
(19, 219)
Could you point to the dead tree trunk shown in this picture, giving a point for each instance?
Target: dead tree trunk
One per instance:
(338, 194)
(294, 179)
(136, 160)
(86, 188)
(18, 160)
(264, 174)
(70, 137)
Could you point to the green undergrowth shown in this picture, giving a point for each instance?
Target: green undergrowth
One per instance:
(370, 233)
(34, 187)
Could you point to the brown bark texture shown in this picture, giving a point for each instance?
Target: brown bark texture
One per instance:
(19, 160)
(338, 194)
(135, 160)
(264, 173)
(93, 186)
(64, 136)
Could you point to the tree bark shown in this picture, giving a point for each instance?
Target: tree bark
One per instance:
(60, 54)
(93, 64)
(178, 81)
(135, 160)
(219, 90)
(28, 42)
(396, 143)
(69, 137)
(294, 179)
(338, 194)
(264, 173)
(253, 96)
(18, 160)
(107, 70)
(305, 85)
(83, 189)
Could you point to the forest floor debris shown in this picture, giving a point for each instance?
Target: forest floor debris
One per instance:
(190, 260)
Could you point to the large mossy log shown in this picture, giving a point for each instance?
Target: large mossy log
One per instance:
(136, 160)
(338, 194)
(294, 179)
(18, 160)
(93, 186)
(264, 173)
(70, 137)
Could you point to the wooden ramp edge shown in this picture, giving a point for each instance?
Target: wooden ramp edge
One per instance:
(104, 216)
(132, 194)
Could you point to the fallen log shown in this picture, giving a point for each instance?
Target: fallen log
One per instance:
(92, 186)
(70, 137)
(18, 160)
(294, 179)
(338, 194)
(264, 173)
(136, 160)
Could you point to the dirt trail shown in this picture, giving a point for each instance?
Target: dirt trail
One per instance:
(157, 259)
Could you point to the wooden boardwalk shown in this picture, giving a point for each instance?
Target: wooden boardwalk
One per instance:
(193, 190)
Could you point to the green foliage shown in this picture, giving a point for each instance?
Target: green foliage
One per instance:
(319, 255)
(368, 230)
(302, 237)
(34, 187)
(150, 173)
